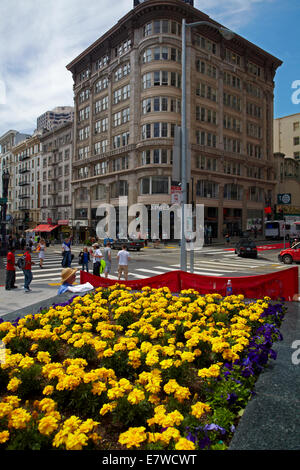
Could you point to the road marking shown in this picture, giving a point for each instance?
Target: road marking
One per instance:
(148, 271)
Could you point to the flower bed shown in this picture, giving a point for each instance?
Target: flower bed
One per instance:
(118, 369)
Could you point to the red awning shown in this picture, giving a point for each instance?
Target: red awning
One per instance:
(44, 228)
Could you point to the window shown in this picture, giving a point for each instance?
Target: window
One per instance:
(206, 91)
(232, 123)
(232, 101)
(232, 57)
(207, 189)
(206, 138)
(296, 125)
(206, 115)
(206, 69)
(205, 44)
(101, 147)
(121, 140)
(102, 84)
(160, 185)
(296, 140)
(233, 192)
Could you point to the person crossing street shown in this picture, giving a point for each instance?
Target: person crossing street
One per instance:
(27, 270)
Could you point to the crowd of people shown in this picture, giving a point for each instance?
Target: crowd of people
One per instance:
(101, 261)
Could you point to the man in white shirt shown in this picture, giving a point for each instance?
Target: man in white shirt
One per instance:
(97, 255)
(123, 258)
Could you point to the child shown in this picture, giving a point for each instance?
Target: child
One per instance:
(84, 258)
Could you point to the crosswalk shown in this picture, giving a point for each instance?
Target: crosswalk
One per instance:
(218, 263)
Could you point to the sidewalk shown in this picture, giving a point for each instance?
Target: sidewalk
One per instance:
(271, 420)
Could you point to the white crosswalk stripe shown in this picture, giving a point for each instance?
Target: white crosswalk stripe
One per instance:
(224, 265)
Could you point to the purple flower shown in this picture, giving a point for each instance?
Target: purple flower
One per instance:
(231, 398)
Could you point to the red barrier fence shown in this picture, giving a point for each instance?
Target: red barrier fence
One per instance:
(283, 284)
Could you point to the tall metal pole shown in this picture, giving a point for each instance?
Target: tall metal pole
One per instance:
(183, 257)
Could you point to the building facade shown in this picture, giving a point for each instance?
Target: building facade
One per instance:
(51, 119)
(127, 88)
(26, 194)
(287, 135)
(7, 164)
(56, 175)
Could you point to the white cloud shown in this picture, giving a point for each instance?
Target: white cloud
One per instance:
(38, 38)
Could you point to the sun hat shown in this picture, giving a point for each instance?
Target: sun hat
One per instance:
(67, 273)
(95, 245)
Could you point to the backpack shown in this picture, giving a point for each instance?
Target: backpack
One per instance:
(102, 266)
(21, 262)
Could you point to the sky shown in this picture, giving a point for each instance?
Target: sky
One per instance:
(38, 38)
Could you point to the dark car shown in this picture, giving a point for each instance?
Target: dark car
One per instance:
(246, 247)
(129, 243)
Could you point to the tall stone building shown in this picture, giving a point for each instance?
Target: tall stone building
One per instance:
(56, 176)
(27, 183)
(127, 93)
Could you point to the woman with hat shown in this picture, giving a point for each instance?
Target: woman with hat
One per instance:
(68, 276)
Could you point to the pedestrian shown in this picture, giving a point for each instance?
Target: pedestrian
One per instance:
(97, 255)
(107, 259)
(68, 277)
(209, 234)
(84, 258)
(27, 270)
(123, 258)
(66, 253)
(41, 249)
(227, 238)
(10, 270)
(30, 243)
(23, 243)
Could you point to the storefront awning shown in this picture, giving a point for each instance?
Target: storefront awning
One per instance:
(44, 228)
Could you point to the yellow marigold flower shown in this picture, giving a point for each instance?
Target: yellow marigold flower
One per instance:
(12, 400)
(26, 362)
(133, 437)
(107, 408)
(34, 347)
(199, 409)
(5, 409)
(168, 434)
(46, 405)
(43, 356)
(47, 425)
(48, 390)
(136, 396)
(98, 388)
(166, 364)
(19, 418)
(108, 352)
(187, 356)
(184, 444)
(88, 425)
(13, 384)
(4, 436)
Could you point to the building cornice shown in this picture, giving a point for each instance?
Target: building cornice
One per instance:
(183, 10)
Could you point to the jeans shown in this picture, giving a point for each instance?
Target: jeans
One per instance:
(27, 278)
(96, 268)
(66, 262)
(85, 266)
(10, 279)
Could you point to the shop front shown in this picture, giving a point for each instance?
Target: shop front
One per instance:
(232, 221)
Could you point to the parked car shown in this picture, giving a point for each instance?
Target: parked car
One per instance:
(290, 255)
(129, 243)
(246, 247)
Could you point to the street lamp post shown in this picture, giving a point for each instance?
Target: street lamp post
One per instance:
(227, 34)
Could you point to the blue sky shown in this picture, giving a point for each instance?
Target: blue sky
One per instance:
(38, 38)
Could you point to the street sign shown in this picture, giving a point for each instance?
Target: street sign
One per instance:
(285, 198)
(3, 200)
